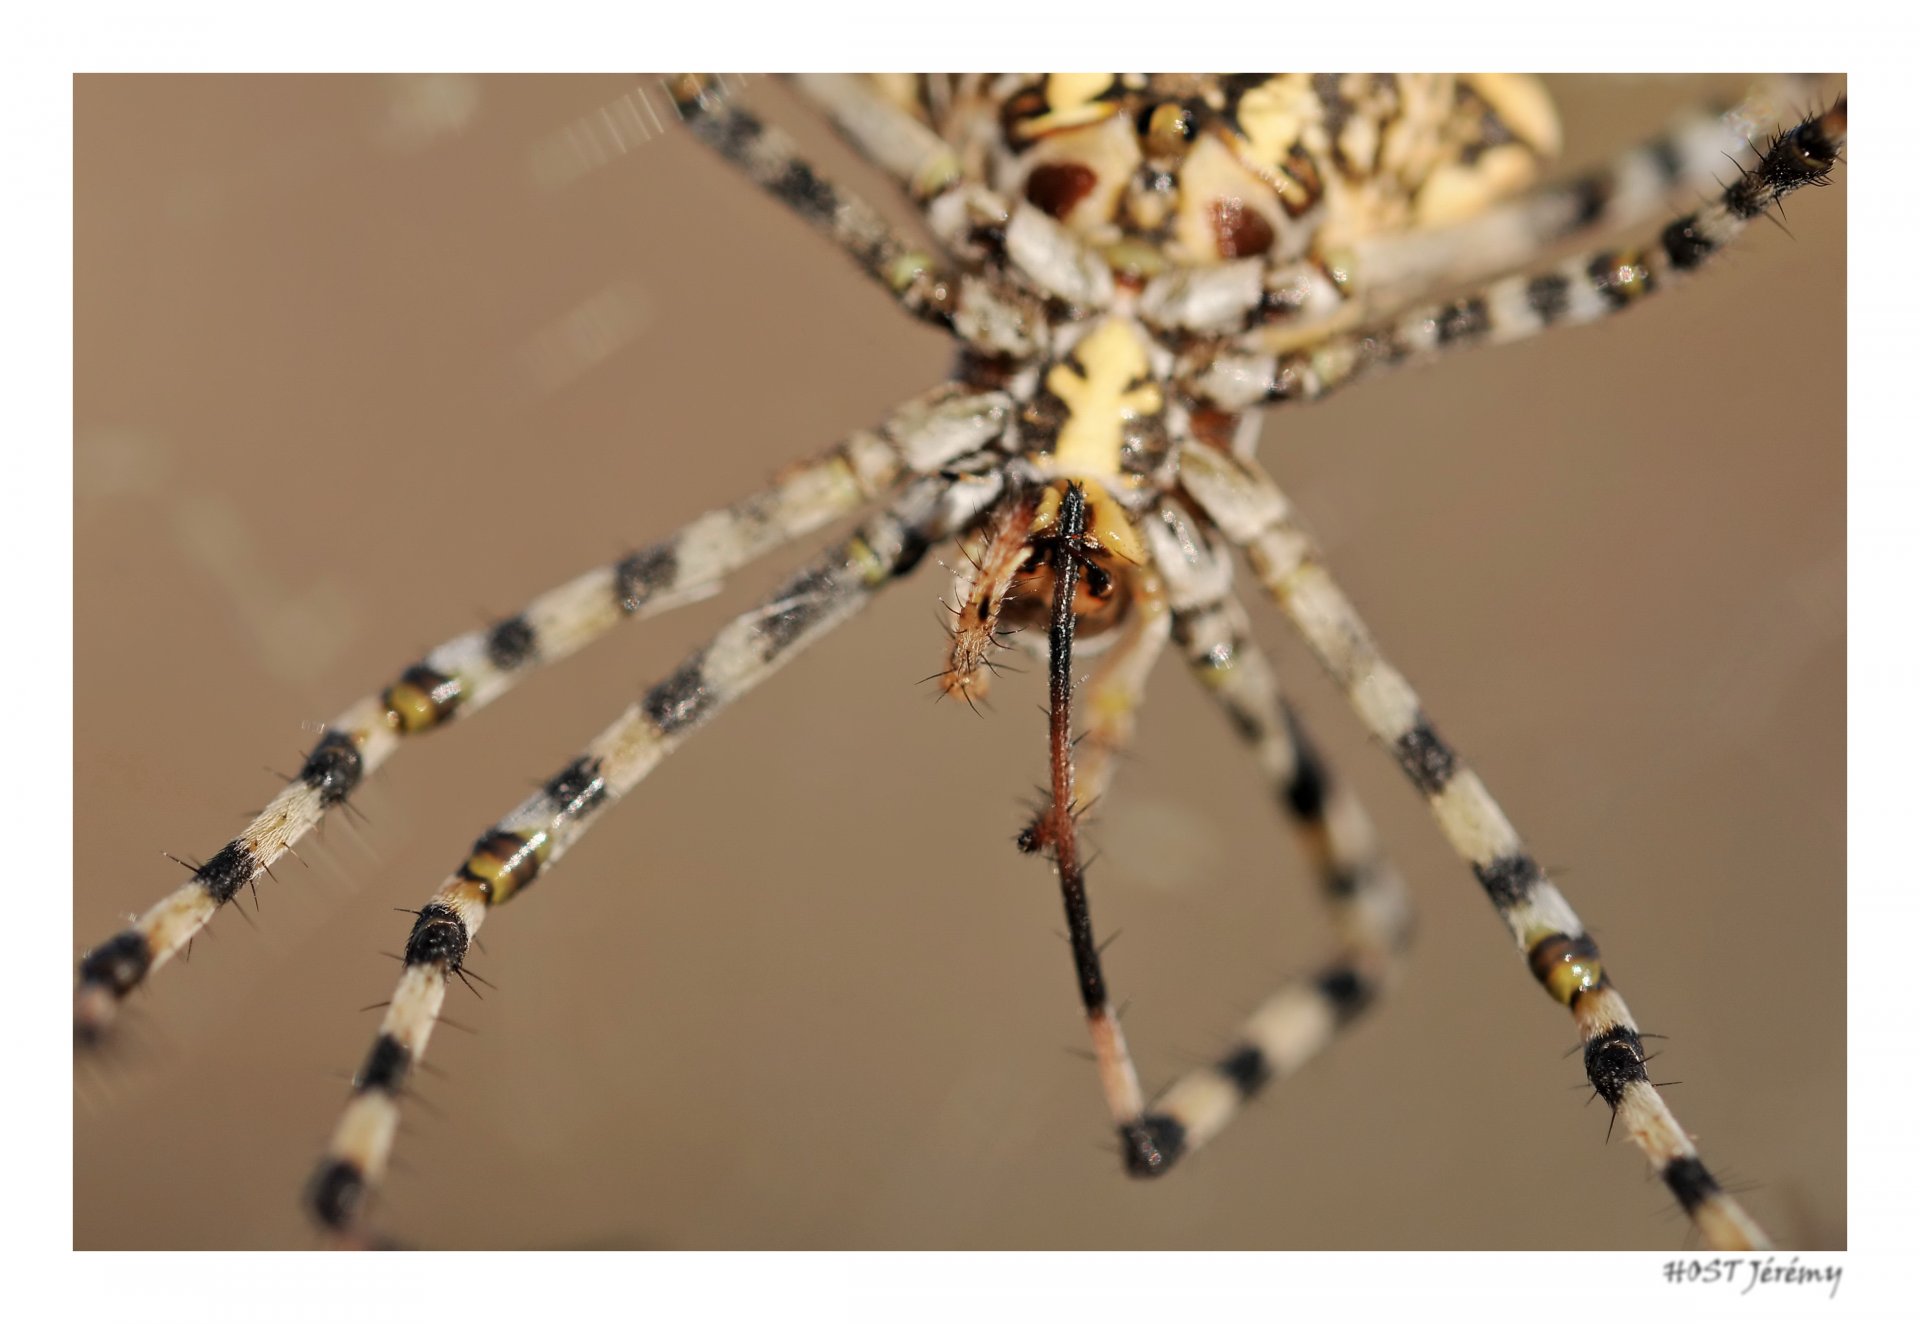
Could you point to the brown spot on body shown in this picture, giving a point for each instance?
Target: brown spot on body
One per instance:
(1239, 231)
(1056, 186)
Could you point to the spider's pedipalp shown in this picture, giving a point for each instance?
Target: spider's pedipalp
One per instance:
(520, 847)
(1561, 955)
(979, 597)
(1066, 549)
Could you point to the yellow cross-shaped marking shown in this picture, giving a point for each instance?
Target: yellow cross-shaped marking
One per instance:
(1100, 399)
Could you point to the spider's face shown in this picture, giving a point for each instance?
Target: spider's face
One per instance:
(1168, 170)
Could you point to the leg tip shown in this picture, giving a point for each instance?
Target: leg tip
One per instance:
(1151, 1146)
(93, 1009)
(334, 1194)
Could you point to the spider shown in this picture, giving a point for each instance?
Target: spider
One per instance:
(911, 854)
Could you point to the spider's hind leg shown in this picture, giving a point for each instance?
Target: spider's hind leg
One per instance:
(1562, 957)
(1365, 894)
(1178, 596)
(520, 847)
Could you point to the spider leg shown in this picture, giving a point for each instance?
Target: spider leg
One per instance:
(1631, 190)
(1582, 289)
(1296, 302)
(1368, 897)
(518, 848)
(988, 315)
(1371, 909)
(466, 673)
(961, 212)
(1565, 960)
(919, 160)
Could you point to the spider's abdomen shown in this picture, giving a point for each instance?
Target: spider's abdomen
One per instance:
(1171, 170)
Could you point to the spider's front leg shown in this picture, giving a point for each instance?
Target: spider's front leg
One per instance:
(1633, 189)
(520, 847)
(464, 674)
(1559, 952)
(990, 314)
(1583, 289)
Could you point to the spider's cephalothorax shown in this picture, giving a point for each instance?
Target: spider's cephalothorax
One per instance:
(1134, 267)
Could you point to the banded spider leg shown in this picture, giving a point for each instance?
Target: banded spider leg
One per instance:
(517, 849)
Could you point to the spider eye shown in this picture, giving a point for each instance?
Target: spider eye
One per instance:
(1099, 582)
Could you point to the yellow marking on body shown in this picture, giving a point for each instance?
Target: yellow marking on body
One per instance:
(1070, 104)
(1101, 399)
(1274, 116)
(1068, 92)
(1108, 528)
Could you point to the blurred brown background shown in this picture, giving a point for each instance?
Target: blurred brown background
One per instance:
(363, 361)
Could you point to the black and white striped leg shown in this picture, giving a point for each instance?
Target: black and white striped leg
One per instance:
(916, 279)
(466, 673)
(1369, 903)
(1636, 188)
(991, 315)
(1561, 955)
(1582, 289)
(515, 851)
(918, 159)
